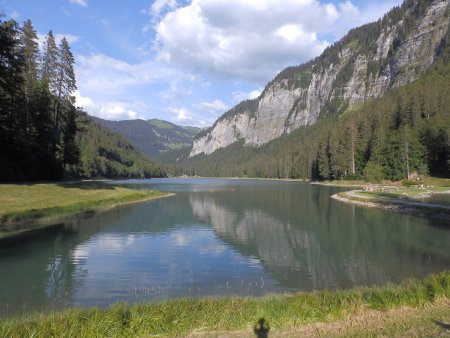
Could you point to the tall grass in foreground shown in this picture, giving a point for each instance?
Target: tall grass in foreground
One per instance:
(183, 316)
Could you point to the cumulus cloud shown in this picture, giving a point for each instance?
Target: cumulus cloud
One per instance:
(159, 5)
(249, 40)
(112, 110)
(99, 73)
(82, 3)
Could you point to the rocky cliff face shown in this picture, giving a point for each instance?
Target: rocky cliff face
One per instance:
(368, 61)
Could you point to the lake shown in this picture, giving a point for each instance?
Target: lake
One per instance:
(216, 237)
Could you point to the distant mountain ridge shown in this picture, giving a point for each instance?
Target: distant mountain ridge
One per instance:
(153, 137)
(365, 64)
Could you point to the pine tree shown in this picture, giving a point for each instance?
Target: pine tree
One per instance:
(11, 100)
(65, 83)
(71, 151)
(31, 55)
(50, 62)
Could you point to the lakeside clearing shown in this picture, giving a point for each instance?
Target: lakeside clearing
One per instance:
(393, 310)
(22, 204)
(393, 196)
(413, 200)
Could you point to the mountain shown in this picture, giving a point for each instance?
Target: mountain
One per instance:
(153, 137)
(365, 64)
(406, 131)
(108, 154)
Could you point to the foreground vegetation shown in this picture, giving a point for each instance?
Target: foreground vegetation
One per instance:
(20, 203)
(227, 315)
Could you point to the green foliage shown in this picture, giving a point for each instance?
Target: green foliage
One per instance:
(408, 183)
(39, 134)
(104, 153)
(373, 172)
(36, 113)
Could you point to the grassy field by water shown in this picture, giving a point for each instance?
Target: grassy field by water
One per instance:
(414, 308)
(21, 203)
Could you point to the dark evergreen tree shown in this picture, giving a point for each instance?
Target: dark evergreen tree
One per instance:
(11, 101)
(31, 55)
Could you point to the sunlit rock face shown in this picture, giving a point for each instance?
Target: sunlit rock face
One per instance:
(299, 95)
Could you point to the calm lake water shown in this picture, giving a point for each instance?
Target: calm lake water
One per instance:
(216, 237)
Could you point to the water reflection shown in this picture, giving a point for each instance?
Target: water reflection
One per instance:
(216, 237)
(307, 241)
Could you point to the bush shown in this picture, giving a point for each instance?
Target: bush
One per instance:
(373, 173)
(408, 183)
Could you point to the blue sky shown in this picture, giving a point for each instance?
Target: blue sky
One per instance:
(187, 62)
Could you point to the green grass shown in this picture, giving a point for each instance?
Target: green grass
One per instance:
(186, 316)
(25, 202)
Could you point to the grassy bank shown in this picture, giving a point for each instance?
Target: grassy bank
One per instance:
(432, 183)
(237, 316)
(25, 203)
(402, 200)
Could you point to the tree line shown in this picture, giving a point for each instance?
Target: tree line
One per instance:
(43, 135)
(37, 109)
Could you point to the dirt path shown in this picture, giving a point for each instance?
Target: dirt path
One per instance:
(430, 321)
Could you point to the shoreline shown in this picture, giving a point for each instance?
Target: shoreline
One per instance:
(42, 212)
(398, 205)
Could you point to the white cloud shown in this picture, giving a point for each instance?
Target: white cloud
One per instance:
(239, 96)
(81, 3)
(69, 37)
(182, 115)
(110, 110)
(159, 6)
(214, 107)
(250, 40)
(102, 74)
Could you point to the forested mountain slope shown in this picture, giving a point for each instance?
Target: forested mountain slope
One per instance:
(107, 154)
(365, 64)
(405, 131)
(152, 137)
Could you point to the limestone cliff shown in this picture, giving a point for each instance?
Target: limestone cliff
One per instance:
(367, 62)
